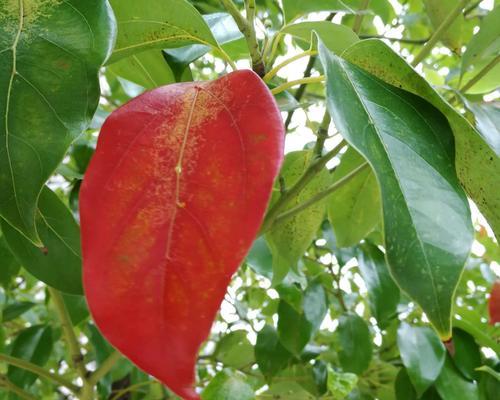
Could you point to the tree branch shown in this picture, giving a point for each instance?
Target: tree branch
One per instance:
(11, 387)
(480, 74)
(359, 16)
(104, 368)
(287, 85)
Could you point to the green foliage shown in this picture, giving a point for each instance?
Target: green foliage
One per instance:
(316, 311)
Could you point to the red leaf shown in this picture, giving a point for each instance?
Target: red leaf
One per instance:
(494, 303)
(170, 204)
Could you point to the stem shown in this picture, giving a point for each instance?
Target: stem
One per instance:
(36, 369)
(360, 16)
(226, 57)
(480, 74)
(401, 40)
(440, 31)
(246, 27)
(320, 196)
(104, 368)
(290, 194)
(276, 69)
(287, 85)
(322, 134)
(118, 395)
(9, 386)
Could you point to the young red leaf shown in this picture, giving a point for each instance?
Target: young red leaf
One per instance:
(494, 303)
(170, 205)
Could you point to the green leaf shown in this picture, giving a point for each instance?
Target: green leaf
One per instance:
(422, 354)
(485, 43)
(451, 385)
(336, 37)
(270, 354)
(51, 52)
(157, 24)
(33, 344)
(290, 238)
(467, 356)
(315, 305)
(438, 10)
(148, 69)
(477, 166)
(487, 118)
(294, 329)
(486, 84)
(260, 259)
(59, 263)
(10, 266)
(340, 384)
(14, 310)
(228, 385)
(383, 293)
(77, 308)
(403, 387)
(490, 371)
(235, 350)
(410, 147)
(355, 342)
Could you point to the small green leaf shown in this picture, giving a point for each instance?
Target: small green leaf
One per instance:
(14, 310)
(270, 354)
(33, 344)
(228, 385)
(354, 210)
(51, 52)
(383, 293)
(409, 145)
(451, 385)
(422, 354)
(340, 384)
(289, 239)
(59, 263)
(355, 341)
(157, 24)
(315, 305)
(235, 350)
(294, 329)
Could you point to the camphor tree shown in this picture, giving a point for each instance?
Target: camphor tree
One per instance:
(235, 200)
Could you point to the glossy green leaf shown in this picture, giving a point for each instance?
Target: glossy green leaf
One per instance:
(50, 54)
(487, 118)
(410, 147)
(157, 24)
(235, 350)
(59, 263)
(340, 384)
(438, 10)
(403, 387)
(315, 305)
(336, 37)
(354, 210)
(260, 259)
(485, 43)
(270, 354)
(9, 265)
(228, 385)
(14, 310)
(294, 329)
(289, 239)
(383, 293)
(148, 69)
(477, 165)
(33, 344)
(451, 385)
(467, 356)
(355, 342)
(422, 354)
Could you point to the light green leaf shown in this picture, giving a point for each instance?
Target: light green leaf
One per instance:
(336, 37)
(260, 259)
(451, 385)
(228, 385)
(340, 384)
(383, 292)
(235, 350)
(59, 263)
(355, 341)
(490, 371)
(289, 239)
(477, 166)
(488, 82)
(157, 24)
(487, 116)
(50, 54)
(354, 210)
(485, 43)
(438, 10)
(410, 147)
(422, 354)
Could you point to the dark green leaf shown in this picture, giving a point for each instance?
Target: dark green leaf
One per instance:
(422, 354)
(315, 305)
(355, 341)
(410, 147)
(59, 263)
(33, 344)
(9, 267)
(228, 385)
(260, 259)
(403, 387)
(451, 385)
(14, 310)
(270, 354)
(51, 52)
(383, 293)
(467, 356)
(294, 329)
(354, 209)
(77, 308)
(235, 350)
